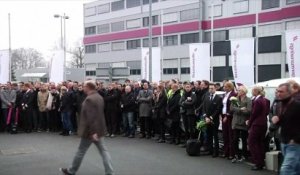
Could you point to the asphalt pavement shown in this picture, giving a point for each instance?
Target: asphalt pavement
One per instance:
(45, 153)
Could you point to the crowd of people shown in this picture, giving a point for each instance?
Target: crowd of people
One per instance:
(167, 111)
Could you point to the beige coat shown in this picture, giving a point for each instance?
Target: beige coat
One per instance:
(42, 100)
(92, 119)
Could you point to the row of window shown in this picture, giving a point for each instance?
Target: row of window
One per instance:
(115, 6)
(134, 44)
(185, 15)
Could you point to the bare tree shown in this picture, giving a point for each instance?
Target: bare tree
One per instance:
(77, 57)
(27, 58)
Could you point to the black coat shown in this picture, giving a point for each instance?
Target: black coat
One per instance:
(128, 102)
(28, 100)
(80, 97)
(173, 108)
(66, 103)
(112, 100)
(188, 106)
(160, 106)
(212, 108)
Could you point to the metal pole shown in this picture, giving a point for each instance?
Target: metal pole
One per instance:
(9, 50)
(212, 38)
(65, 54)
(150, 40)
(200, 21)
(256, 42)
(61, 33)
(161, 42)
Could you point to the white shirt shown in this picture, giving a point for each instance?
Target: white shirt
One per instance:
(257, 97)
(224, 110)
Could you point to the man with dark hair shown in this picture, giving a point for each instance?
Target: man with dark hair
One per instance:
(289, 121)
(212, 108)
(91, 130)
(28, 107)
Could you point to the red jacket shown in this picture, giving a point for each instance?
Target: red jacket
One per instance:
(260, 110)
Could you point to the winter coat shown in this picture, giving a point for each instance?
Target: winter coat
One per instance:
(145, 103)
(160, 105)
(187, 106)
(128, 102)
(42, 99)
(239, 116)
(173, 108)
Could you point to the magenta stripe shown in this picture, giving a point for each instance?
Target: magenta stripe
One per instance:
(284, 13)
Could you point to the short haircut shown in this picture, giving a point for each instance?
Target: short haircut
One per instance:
(206, 82)
(91, 84)
(28, 85)
(212, 84)
(288, 87)
(244, 89)
(230, 85)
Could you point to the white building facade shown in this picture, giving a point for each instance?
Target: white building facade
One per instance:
(115, 31)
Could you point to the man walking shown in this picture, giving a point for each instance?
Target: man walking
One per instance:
(91, 130)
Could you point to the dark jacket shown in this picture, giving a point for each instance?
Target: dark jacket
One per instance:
(28, 100)
(212, 108)
(128, 102)
(290, 121)
(160, 105)
(92, 119)
(240, 117)
(173, 108)
(66, 103)
(55, 101)
(259, 112)
(80, 97)
(188, 106)
(111, 100)
(145, 103)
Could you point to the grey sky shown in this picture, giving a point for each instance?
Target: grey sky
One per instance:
(33, 24)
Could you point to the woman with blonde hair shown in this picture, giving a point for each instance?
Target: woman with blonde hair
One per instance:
(227, 121)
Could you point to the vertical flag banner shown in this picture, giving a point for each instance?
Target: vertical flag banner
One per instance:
(292, 38)
(199, 61)
(145, 63)
(156, 64)
(242, 57)
(57, 67)
(4, 66)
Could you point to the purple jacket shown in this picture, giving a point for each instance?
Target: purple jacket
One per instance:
(260, 109)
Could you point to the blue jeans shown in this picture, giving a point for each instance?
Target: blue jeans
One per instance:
(291, 161)
(128, 123)
(66, 120)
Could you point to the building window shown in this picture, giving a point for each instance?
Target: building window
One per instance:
(132, 3)
(170, 17)
(105, 8)
(154, 42)
(117, 26)
(118, 46)
(168, 71)
(105, 47)
(190, 38)
(240, 6)
(90, 48)
(133, 44)
(218, 36)
(147, 1)
(154, 21)
(135, 72)
(170, 40)
(91, 11)
(268, 4)
(90, 73)
(269, 44)
(185, 70)
(190, 14)
(90, 30)
(269, 72)
(135, 23)
(117, 5)
(103, 28)
(292, 1)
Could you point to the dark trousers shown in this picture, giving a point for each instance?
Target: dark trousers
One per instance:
(228, 137)
(175, 130)
(189, 122)
(256, 142)
(111, 121)
(54, 120)
(28, 120)
(213, 138)
(161, 128)
(145, 126)
(4, 118)
(243, 134)
(74, 120)
(44, 121)
(35, 118)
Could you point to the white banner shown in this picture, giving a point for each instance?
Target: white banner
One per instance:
(4, 66)
(293, 52)
(156, 64)
(242, 58)
(57, 67)
(199, 61)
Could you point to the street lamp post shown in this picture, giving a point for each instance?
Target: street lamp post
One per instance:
(63, 37)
